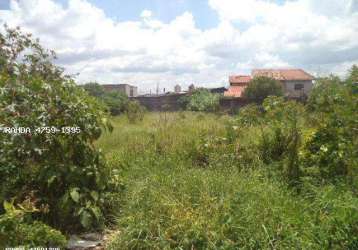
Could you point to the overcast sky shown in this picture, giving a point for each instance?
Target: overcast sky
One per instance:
(145, 42)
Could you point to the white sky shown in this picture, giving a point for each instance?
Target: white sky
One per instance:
(318, 36)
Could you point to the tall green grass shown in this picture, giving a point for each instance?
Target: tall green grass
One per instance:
(186, 187)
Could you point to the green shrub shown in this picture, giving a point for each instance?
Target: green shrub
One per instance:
(327, 94)
(115, 101)
(212, 151)
(261, 87)
(331, 150)
(135, 112)
(201, 100)
(17, 229)
(281, 137)
(250, 115)
(64, 168)
(94, 89)
(352, 79)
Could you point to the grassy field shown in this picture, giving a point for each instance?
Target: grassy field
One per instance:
(189, 185)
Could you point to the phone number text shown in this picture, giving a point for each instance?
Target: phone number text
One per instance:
(40, 130)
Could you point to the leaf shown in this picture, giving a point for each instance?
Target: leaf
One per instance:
(50, 180)
(75, 195)
(97, 212)
(9, 207)
(86, 219)
(94, 195)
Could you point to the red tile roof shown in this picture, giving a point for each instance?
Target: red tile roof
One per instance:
(239, 79)
(235, 91)
(284, 74)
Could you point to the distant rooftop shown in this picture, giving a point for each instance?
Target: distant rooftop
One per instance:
(239, 79)
(284, 74)
(235, 91)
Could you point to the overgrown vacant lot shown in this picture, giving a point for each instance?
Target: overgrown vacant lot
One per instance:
(196, 181)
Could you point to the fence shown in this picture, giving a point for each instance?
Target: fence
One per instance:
(171, 103)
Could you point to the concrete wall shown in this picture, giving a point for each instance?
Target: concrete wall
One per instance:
(290, 88)
(232, 104)
(133, 91)
(160, 103)
(171, 103)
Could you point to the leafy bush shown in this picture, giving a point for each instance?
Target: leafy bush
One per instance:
(281, 138)
(94, 89)
(134, 111)
(212, 151)
(261, 87)
(17, 228)
(250, 115)
(64, 169)
(332, 147)
(353, 75)
(327, 94)
(115, 101)
(201, 100)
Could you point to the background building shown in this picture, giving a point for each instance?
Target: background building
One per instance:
(295, 82)
(129, 90)
(177, 88)
(237, 85)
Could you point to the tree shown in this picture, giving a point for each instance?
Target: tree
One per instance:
(352, 79)
(261, 87)
(62, 168)
(116, 101)
(353, 74)
(327, 94)
(94, 89)
(332, 148)
(135, 111)
(201, 100)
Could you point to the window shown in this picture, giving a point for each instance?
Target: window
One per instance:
(299, 86)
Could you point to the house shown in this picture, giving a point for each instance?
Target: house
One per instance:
(237, 85)
(295, 82)
(129, 90)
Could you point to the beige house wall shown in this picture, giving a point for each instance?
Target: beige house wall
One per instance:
(290, 90)
(134, 91)
(130, 91)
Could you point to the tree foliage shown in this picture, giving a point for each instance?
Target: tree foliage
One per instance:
(353, 74)
(115, 101)
(18, 229)
(261, 87)
(332, 148)
(94, 89)
(201, 100)
(352, 80)
(34, 93)
(135, 111)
